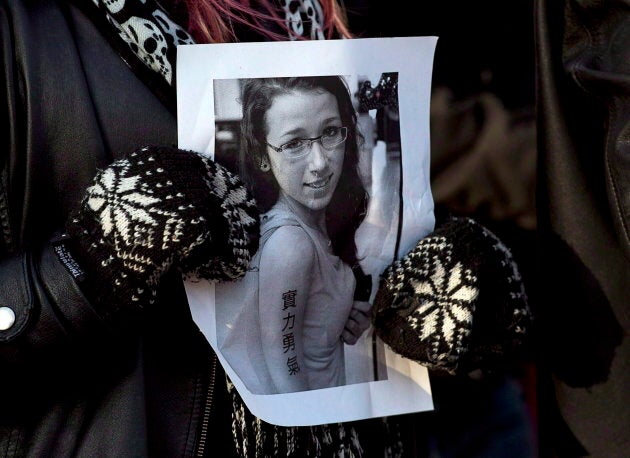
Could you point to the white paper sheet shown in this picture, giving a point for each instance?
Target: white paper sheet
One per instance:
(377, 381)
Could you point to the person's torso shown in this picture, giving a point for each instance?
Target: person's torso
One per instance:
(328, 305)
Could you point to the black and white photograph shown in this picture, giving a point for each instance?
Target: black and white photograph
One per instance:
(305, 146)
(322, 153)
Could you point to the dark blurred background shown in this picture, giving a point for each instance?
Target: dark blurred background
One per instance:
(483, 165)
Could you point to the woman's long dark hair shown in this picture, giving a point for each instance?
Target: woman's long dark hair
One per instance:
(348, 205)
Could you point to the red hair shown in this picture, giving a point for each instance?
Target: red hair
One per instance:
(211, 21)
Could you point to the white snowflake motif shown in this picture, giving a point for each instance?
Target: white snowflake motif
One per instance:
(446, 299)
(123, 208)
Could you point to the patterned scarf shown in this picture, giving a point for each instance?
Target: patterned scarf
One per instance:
(256, 439)
(153, 37)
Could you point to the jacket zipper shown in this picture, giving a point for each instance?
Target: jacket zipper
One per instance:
(207, 410)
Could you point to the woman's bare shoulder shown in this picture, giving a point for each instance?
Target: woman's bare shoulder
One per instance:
(290, 246)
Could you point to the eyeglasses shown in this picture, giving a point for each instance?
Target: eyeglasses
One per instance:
(298, 147)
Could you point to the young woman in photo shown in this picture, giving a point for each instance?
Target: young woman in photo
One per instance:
(300, 154)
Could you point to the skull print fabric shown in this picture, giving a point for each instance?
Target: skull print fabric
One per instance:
(153, 37)
(148, 31)
(304, 18)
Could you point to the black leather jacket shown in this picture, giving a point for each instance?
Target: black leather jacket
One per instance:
(583, 102)
(72, 385)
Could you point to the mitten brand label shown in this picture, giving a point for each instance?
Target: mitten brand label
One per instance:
(68, 261)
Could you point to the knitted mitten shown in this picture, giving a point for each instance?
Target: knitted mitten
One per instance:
(455, 303)
(155, 209)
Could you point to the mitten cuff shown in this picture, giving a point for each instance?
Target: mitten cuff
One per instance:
(103, 278)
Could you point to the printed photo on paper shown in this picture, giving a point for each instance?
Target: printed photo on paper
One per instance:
(342, 189)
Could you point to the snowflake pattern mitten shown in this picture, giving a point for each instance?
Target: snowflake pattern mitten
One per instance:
(155, 209)
(454, 303)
